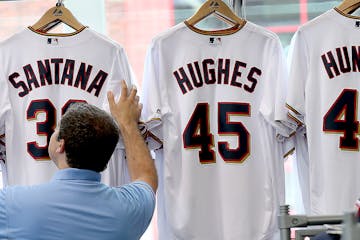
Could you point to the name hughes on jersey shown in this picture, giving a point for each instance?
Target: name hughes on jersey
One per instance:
(49, 73)
(220, 72)
(339, 60)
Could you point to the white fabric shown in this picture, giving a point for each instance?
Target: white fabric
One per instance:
(23, 86)
(323, 69)
(215, 199)
(303, 168)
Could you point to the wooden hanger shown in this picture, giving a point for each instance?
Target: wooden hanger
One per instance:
(348, 6)
(220, 9)
(54, 16)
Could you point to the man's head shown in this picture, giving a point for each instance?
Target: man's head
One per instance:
(88, 136)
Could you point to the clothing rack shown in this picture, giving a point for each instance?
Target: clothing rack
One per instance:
(351, 230)
(60, 3)
(287, 221)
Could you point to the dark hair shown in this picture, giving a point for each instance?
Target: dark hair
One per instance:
(90, 136)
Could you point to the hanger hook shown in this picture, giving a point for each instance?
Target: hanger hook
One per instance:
(59, 3)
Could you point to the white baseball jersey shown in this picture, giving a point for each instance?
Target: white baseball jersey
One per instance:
(40, 77)
(220, 169)
(2, 148)
(301, 168)
(323, 94)
(2, 159)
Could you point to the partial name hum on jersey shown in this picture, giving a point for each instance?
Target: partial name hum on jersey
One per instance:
(220, 71)
(341, 60)
(56, 71)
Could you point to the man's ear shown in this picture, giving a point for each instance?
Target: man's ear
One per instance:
(61, 146)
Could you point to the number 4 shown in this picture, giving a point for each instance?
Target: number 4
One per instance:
(342, 118)
(197, 132)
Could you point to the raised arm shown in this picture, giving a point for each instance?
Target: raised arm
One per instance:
(127, 113)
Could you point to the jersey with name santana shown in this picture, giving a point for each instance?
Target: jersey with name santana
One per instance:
(40, 77)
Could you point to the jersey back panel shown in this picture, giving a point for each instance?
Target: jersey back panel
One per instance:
(216, 97)
(323, 94)
(40, 77)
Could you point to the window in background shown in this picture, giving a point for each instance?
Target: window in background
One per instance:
(133, 23)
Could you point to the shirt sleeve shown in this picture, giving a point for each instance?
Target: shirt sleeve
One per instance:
(4, 109)
(141, 202)
(121, 70)
(153, 98)
(273, 103)
(117, 172)
(298, 64)
(3, 215)
(4, 102)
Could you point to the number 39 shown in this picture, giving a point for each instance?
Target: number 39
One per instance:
(45, 128)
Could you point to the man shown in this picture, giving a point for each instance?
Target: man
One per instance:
(325, 236)
(75, 205)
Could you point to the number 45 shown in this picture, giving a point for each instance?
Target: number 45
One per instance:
(197, 133)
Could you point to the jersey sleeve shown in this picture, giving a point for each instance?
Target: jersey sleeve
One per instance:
(154, 100)
(121, 70)
(117, 171)
(298, 64)
(273, 103)
(2, 150)
(4, 103)
(151, 131)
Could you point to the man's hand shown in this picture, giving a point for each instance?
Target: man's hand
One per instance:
(127, 113)
(127, 110)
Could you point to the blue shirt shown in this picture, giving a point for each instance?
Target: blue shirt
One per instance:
(75, 205)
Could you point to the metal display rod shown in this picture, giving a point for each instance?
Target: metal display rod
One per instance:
(287, 221)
